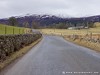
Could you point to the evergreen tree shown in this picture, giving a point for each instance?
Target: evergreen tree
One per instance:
(13, 21)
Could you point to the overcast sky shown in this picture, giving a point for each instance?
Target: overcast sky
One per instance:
(66, 8)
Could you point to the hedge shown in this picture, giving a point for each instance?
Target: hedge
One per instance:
(13, 43)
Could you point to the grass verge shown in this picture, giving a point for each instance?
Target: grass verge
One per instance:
(90, 45)
(18, 54)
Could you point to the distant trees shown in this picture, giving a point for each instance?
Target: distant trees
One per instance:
(83, 23)
(59, 26)
(13, 21)
(35, 25)
(26, 24)
(62, 26)
(90, 24)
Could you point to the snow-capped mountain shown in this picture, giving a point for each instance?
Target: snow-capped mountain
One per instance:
(46, 20)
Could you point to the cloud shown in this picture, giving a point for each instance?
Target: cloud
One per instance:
(73, 8)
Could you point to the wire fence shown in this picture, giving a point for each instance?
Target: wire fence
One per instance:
(11, 30)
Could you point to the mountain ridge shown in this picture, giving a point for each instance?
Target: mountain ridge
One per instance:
(47, 20)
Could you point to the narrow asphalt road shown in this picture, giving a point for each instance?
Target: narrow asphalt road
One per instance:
(56, 56)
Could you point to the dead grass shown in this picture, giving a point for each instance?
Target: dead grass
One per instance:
(91, 45)
(18, 54)
(70, 32)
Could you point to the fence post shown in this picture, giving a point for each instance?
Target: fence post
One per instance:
(13, 30)
(91, 35)
(19, 30)
(23, 31)
(5, 29)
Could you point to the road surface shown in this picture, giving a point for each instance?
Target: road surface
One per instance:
(56, 56)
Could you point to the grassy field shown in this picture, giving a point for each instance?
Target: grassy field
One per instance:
(70, 32)
(4, 29)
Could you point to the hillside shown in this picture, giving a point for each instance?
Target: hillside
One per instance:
(48, 20)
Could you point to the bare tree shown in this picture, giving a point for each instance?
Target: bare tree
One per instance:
(35, 25)
(26, 24)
